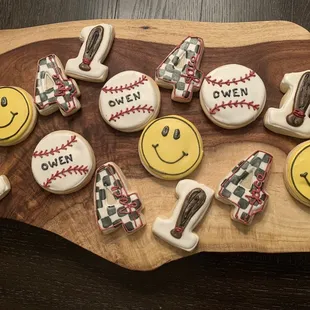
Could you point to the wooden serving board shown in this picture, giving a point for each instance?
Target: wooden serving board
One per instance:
(270, 48)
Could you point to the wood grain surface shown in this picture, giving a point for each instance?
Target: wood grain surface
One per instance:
(72, 216)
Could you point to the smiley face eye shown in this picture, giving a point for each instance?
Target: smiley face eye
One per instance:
(165, 131)
(176, 134)
(4, 102)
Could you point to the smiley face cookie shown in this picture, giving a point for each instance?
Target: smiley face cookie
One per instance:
(18, 115)
(170, 147)
(297, 173)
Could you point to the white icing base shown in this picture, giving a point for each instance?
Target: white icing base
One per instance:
(162, 227)
(5, 186)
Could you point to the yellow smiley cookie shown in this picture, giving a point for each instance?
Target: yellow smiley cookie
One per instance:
(297, 173)
(18, 115)
(170, 147)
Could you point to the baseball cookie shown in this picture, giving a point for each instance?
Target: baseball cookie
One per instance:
(293, 116)
(53, 90)
(129, 100)
(115, 205)
(18, 115)
(297, 173)
(170, 147)
(63, 162)
(193, 202)
(243, 188)
(232, 96)
(180, 70)
(5, 186)
(88, 65)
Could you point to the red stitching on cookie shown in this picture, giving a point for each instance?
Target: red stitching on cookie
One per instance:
(235, 81)
(57, 149)
(63, 173)
(133, 109)
(235, 104)
(121, 88)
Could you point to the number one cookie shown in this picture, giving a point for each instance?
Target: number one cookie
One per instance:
(180, 70)
(97, 42)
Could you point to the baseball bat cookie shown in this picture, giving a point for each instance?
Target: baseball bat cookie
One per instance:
(53, 90)
(115, 205)
(170, 147)
(129, 101)
(5, 186)
(180, 69)
(243, 188)
(293, 116)
(18, 115)
(193, 202)
(297, 173)
(63, 162)
(232, 96)
(88, 65)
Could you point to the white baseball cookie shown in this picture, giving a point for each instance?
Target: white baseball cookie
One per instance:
(193, 202)
(129, 101)
(5, 186)
(232, 96)
(88, 65)
(63, 162)
(293, 116)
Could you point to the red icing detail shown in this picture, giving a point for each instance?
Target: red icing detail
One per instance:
(86, 61)
(256, 192)
(63, 173)
(133, 109)
(62, 88)
(121, 88)
(179, 229)
(299, 113)
(234, 104)
(235, 81)
(57, 149)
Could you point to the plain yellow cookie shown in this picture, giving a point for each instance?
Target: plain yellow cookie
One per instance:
(18, 115)
(297, 173)
(170, 147)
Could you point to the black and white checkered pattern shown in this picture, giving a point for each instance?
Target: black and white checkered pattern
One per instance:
(237, 194)
(114, 206)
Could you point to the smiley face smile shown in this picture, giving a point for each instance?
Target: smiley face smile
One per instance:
(155, 146)
(10, 122)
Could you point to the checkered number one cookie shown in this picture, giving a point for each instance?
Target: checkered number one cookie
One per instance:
(180, 70)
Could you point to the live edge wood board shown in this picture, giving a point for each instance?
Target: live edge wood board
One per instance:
(270, 48)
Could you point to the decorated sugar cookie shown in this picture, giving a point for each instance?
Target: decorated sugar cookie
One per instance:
(193, 202)
(170, 147)
(243, 188)
(63, 162)
(18, 115)
(180, 69)
(53, 90)
(293, 116)
(88, 65)
(5, 186)
(115, 205)
(297, 173)
(129, 100)
(232, 96)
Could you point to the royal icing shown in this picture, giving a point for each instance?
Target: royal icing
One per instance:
(297, 173)
(5, 186)
(115, 205)
(63, 162)
(53, 90)
(129, 100)
(170, 147)
(232, 96)
(293, 116)
(18, 115)
(243, 188)
(180, 69)
(88, 65)
(193, 201)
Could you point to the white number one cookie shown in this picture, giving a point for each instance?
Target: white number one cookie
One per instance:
(193, 201)
(243, 188)
(88, 65)
(5, 186)
(180, 70)
(293, 116)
